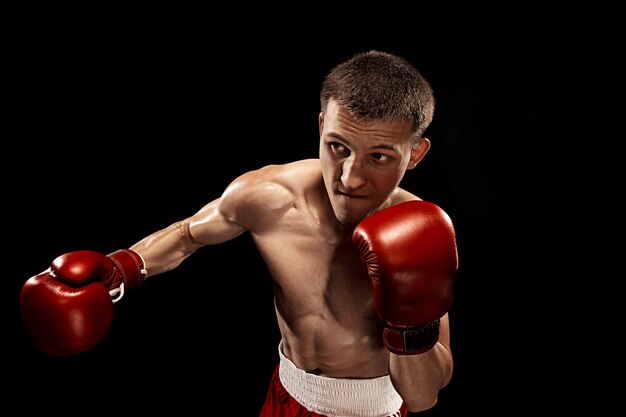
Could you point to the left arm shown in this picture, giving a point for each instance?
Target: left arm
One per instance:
(411, 256)
(419, 378)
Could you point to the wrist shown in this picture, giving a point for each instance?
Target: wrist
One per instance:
(411, 340)
(126, 271)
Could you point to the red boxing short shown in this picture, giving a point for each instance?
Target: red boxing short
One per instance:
(328, 397)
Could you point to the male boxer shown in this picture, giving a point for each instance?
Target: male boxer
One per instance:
(363, 270)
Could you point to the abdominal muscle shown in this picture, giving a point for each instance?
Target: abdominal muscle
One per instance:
(319, 342)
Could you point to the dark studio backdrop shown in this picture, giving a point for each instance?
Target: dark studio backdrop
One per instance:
(121, 135)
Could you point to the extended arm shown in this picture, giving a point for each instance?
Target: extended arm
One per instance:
(68, 308)
(165, 249)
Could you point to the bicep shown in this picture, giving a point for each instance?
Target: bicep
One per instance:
(211, 225)
(253, 202)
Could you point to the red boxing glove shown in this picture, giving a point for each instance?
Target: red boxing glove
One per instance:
(68, 308)
(411, 256)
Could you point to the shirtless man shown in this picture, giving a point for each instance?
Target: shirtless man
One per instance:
(362, 269)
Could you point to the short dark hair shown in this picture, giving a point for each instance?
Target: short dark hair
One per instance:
(376, 85)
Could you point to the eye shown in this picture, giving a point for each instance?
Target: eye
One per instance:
(380, 157)
(339, 149)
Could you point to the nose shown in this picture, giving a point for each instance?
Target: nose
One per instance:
(353, 175)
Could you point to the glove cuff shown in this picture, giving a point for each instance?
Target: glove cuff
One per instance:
(411, 341)
(131, 268)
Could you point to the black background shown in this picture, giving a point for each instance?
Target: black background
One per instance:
(121, 127)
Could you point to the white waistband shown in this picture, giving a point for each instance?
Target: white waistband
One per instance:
(339, 397)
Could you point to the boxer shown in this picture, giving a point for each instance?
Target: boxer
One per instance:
(363, 270)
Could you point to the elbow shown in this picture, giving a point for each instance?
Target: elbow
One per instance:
(425, 399)
(423, 403)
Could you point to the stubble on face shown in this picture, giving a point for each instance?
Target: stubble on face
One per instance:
(361, 140)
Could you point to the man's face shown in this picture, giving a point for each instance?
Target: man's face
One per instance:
(363, 162)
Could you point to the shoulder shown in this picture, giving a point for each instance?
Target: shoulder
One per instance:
(401, 195)
(290, 175)
(274, 180)
(268, 191)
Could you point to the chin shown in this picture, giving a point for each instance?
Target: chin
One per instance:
(348, 219)
(351, 212)
(341, 216)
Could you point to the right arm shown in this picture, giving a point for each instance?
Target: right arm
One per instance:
(253, 200)
(68, 308)
(165, 249)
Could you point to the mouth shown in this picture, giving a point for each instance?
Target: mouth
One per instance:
(350, 195)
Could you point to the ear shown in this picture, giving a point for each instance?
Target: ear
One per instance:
(418, 152)
(321, 123)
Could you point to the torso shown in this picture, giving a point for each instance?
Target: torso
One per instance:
(322, 290)
(323, 301)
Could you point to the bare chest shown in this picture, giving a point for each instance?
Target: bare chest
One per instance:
(316, 273)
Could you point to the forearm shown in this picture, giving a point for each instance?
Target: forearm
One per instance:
(419, 378)
(411, 256)
(165, 249)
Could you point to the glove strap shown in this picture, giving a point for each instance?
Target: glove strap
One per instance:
(130, 266)
(412, 341)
